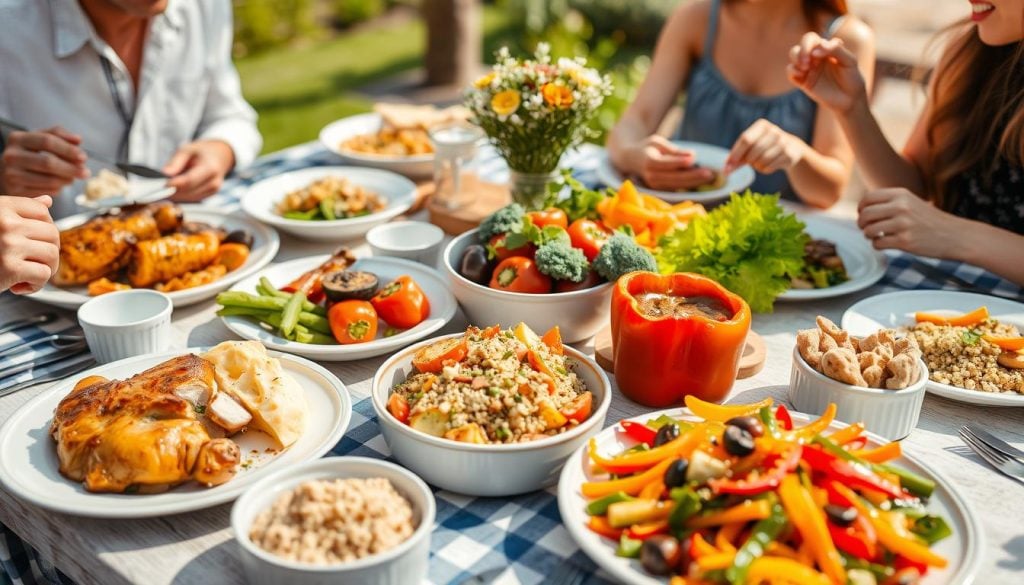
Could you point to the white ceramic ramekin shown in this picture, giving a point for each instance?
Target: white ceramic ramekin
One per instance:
(418, 241)
(485, 470)
(406, 563)
(579, 314)
(889, 413)
(126, 323)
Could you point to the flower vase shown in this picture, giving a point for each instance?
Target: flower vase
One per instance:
(530, 189)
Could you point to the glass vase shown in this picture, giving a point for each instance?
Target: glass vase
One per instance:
(530, 189)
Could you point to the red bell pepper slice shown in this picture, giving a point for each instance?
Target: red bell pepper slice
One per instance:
(901, 562)
(639, 432)
(853, 541)
(850, 475)
(767, 481)
(782, 415)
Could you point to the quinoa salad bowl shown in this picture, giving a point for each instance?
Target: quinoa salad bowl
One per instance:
(489, 412)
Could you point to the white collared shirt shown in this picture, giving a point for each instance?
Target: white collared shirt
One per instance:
(51, 73)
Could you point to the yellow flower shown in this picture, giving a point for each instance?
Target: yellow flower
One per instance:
(484, 81)
(558, 96)
(580, 79)
(505, 102)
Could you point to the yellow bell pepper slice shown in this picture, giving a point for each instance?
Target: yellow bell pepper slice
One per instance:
(722, 413)
(847, 434)
(809, 520)
(702, 548)
(631, 485)
(628, 193)
(681, 446)
(967, 319)
(783, 570)
(745, 512)
(882, 454)
(726, 534)
(817, 427)
(887, 535)
(717, 561)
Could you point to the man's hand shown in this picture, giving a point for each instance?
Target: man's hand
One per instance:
(198, 169)
(42, 162)
(29, 243)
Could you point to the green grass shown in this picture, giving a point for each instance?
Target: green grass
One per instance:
(299, 90)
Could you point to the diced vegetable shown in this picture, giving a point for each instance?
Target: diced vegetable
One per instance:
(433, 357)
(431, 421)
(600, 507)
(628, 513)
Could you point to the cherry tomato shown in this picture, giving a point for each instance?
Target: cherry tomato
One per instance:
(549, 216)
(518, 274)
(398, 406)
(589, 236)
(353, 321)
(402, 303)
(591, 280)
(497, 246)
(434, 356)
(579, 409)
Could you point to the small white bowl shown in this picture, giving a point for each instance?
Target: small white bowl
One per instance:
(579, 314)
(334, 134)
(485, 470)
(406, 563)
(260, 202)
(889, 413)
(126, 323)
(418, 241)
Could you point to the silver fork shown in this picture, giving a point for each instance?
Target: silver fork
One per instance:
(1003, 463)
(994, 442)
(60, 374)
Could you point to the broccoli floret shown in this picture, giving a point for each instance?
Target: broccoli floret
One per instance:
(621, 254)
(505, 220)
(561, 261)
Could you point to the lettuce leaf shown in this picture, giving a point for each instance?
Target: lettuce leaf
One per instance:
(749, 245)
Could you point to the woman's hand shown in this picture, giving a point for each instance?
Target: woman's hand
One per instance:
(666, 167)
(827, 72)
(767, 148)
(897, 218)
(29, 243)
(198, 169)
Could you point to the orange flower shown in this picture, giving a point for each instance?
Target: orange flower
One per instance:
(558, 96)
(505, 102)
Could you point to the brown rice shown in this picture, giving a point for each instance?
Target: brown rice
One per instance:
(327, 522)
(959, 357)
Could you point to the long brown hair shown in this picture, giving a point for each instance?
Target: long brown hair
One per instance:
(977, 112)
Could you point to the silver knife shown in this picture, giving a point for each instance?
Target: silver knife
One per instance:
(996, 442)
(130, 168)
(42, 319)
(60, 374)
(67, 353)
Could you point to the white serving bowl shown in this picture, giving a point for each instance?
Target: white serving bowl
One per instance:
(889, 413)
(126, 323)
(418, 241)
(579, 314)
(406, 563)
(261, 201)
(334, 134)
(485, 470)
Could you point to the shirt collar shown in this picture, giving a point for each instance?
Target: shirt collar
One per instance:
(72, 28)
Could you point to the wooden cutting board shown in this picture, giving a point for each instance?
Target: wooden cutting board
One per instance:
(751, 362)
(487, 198)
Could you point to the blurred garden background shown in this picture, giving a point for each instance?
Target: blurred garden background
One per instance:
(306, 63)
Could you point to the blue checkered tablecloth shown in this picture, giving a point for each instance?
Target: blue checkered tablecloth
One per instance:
(524, 535)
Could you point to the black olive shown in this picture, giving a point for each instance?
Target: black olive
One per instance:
(751, 424)
(475, 265)
(343, 285)
(840, 515)
(737, 441)
(666, 433)
(675, 475)
(660, 554)
(239, 237)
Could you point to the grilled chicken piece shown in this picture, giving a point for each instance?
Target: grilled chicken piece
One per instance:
(164, 258)
(103, 244)
(144, 432)
(227, 413)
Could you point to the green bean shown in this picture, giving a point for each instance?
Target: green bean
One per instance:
(242, 299)
(290, 314)
(271, 290)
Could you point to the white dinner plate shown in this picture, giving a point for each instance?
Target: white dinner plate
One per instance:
(442, 309)
(265, 244)
(139, 191)
(896, 309)
(963, 549)
(707, 155)
(29, 468)
(337, 132)
(262, 198)
(864, 265)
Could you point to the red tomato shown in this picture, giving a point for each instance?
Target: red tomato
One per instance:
(398, 406)
(592, 279)
(589, 236)
(497, 245)
(353, 321)
(549, 216)
(579, 409)
(402, 303)
(518, 274)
